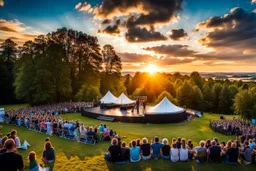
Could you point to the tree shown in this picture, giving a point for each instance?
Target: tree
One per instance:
(128, 84)
(224, 100)
(7, 61)
(111, 61)
(168, 96)
(245, 104)
(88, 93)
(208, 97)
(216, 95)
(197, 79)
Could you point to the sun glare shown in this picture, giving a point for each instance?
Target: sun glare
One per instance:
(151, 68)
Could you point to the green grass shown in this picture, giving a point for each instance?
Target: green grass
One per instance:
(72, 155)
(13, 106)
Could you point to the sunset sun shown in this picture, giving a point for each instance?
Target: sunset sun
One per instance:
(152, 68)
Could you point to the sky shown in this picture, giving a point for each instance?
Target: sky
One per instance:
(161, 35)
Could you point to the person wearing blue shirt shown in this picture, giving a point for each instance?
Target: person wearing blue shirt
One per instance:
(134, 152)
(101, 128)
(156, 148)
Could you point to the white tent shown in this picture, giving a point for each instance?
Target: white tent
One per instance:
(164, 107)
(124, 100)
(108, 98)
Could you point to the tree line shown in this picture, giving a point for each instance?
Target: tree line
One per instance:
(71, 65)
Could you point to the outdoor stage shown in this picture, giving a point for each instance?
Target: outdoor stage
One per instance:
(134, 117)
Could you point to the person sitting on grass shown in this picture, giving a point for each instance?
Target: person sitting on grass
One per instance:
(165, 149)
(134, 152)
(90, 132)
(2, 148)
(208, 143)
(10, 160)
(145, 149)
(33, 165)
(178, 143)
(201, 152)
(49, 155)
(124, 152)
(232, 154)
(156, 148)
(183, 150)
(214, 152)
(113, 151)
(174, 153)
(246, 154)
(190, 147)
(15, 137)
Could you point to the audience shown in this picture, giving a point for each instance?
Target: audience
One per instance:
(232, 154)
(124, 153)
(33, 165)
(114, 151)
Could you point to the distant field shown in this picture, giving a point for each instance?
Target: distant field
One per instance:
(13, 106)
(72, 155)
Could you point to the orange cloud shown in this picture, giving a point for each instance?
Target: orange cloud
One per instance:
(2, 3)
(15, 30)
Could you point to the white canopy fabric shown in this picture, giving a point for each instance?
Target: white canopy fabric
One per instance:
(165, 107)
(124, 100)
(108, 98)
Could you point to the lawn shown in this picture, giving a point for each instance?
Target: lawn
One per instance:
(72, 155)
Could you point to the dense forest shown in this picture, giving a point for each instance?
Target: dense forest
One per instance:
(70, 65)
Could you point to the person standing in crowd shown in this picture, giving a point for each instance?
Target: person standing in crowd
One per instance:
(144, 106)
(156, 148)
(49, 155)
(138, 106)
(10, 160)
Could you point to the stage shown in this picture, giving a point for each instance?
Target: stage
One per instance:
(134, 117)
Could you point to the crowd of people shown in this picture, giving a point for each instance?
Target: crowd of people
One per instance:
(46, 119)
(11, 160)
(181, 149)
(242, 129)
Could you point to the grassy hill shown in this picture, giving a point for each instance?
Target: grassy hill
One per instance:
(72, 155)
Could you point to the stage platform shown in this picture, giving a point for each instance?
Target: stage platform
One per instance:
(134, 117)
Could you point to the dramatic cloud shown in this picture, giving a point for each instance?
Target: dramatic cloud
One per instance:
(177, 34)
(174, 61)
(139, 16)
(6, 29)
(236, 30)
(13, 29)
(106, 21)
(140, 35)
(134, 57)
(84, 7)
(172, 50)
(1, 3)
(112, 30)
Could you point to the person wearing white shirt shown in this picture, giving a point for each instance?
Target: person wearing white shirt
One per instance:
(174, 153)
(183, 150)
